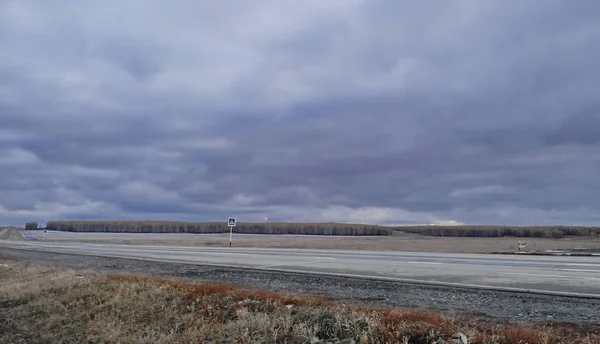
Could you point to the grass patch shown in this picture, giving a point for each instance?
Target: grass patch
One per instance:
(41, 304)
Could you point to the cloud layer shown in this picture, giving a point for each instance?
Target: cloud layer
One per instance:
(378, 111)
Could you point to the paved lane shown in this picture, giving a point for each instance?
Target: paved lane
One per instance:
(543, 273)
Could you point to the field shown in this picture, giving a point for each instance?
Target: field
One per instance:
(335, 236)
(45, 303)
(404, 242)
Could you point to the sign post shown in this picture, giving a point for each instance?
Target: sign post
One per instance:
(231, 224)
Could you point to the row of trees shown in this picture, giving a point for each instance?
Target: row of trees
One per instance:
(217, 227)
(512, 231)
(31, 226)
(318, 229)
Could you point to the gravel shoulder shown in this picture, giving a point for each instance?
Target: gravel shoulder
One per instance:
(481, 304)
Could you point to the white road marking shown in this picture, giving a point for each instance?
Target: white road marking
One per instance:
(545, 275)
(415, 262)
(581, 270)
(578, 264)
(318, 260)
(196, 252)
(131, 250)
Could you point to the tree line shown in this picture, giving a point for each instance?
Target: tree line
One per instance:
(217, 227)
(502, 231)
(318, 229)
(30, 226)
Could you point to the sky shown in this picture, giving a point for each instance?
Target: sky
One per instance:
(379, 111)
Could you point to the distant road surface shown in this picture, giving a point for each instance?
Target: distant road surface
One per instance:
(535, 273)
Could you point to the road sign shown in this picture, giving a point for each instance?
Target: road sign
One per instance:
(231, 224)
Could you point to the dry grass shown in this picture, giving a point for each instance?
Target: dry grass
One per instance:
(408, 242)
(44, 304)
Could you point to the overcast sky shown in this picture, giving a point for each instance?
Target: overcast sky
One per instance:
(387, 112)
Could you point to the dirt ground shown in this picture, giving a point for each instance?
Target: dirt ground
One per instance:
(407, 242)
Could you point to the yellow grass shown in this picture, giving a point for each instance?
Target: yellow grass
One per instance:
(408, 242)
(49, 305)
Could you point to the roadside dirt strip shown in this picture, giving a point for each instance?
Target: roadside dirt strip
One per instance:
(490, 305)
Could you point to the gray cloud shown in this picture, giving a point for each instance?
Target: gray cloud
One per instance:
(363, 111)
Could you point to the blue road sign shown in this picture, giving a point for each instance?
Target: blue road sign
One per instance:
(231, 222)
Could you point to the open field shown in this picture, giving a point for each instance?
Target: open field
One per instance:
(46, 303)
(406, 242)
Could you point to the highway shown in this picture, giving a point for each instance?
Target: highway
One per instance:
(549, 274)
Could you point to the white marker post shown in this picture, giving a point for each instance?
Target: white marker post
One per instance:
(231, 224)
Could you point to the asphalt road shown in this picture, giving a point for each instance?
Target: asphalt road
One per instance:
(535, 273)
